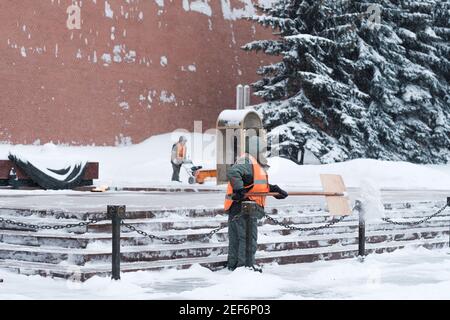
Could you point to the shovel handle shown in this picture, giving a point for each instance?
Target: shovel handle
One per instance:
(300, 194)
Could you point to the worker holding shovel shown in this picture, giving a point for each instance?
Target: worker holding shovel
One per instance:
(247, 175)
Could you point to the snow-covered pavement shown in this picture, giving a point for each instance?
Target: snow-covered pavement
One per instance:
(405, 274)
(97, 202)
(409, 274)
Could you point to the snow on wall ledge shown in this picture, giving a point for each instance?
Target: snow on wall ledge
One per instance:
(103, 71)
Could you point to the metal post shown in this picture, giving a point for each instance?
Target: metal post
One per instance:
(115, 213)
(248, 209)
(448, 205)
(240, 97)
(361, 230)
(247, 96)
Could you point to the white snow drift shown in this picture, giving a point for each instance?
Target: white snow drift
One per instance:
(404, 274)
(148, 164)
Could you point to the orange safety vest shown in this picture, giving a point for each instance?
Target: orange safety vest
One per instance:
(181, 151)
(260, 184)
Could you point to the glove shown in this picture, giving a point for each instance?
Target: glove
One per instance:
(239, 195)
(281, 193)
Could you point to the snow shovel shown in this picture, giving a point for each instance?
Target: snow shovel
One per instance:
(334, 192)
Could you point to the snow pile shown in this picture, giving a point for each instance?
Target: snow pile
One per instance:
(384, 174)
(370, 196)
(47, 156)
(404, 274)
(144, 164)
(257, 285)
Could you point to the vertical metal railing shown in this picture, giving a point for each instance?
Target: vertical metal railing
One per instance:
(361, 230)
(116, 214)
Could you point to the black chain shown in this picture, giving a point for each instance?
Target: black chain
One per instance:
(290, 227)
(172, 240)
(177, 241)
(151, 236)
(212, 232)
(48, 227)
(416, 223)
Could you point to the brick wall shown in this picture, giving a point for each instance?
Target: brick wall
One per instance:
(136, 68)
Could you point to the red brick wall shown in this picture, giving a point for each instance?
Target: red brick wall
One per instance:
(54, 85)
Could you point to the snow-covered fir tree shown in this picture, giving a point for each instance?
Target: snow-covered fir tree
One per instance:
(351, 84)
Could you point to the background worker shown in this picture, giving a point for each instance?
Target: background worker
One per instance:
(247, 175)
(178, 156)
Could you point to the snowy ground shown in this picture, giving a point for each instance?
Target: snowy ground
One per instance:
(418, 274)
(405, 274)
(84, 201)
(148, 164)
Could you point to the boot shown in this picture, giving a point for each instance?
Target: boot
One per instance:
(230, 267)
(257, 268)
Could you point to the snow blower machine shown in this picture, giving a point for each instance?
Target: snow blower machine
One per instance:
(196, 174)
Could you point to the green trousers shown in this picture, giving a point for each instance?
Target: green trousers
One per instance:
(241, 251)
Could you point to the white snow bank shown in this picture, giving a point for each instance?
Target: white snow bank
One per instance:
(148, 164)
(404, 274)
(46, 156)
(144, 164)
(370, 196)
(385, 174)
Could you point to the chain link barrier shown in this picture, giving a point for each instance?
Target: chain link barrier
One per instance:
(216, 230)
(176, 241)
(326, 226)
(212, 232)
(48, 227)
(416, 223)
(291, 227)
(151, 236)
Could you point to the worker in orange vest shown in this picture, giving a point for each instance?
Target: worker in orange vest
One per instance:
(178, 157)
(247, 175)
